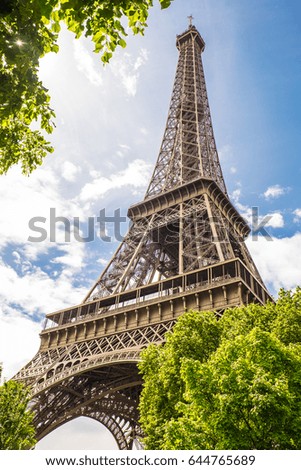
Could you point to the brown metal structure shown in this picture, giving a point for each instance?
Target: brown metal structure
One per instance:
(185, 250)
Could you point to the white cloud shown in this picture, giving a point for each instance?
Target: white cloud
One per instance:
(123, 150)
(126, 69)
(274, 220)
(278, 260)
(255, 220)
(245, 211)
(17, 257)
(141, 59)
(39, 196)
(30, 197)
(94, 173)
(274, 191)
(19, 340)
(102, 261)
(225, 152)
(85, 64)
(35, 292)
(125, 147)
(236, 195)
(297, 214)
(73, 257)
(70, 171)
(25, 297)
(136, 174)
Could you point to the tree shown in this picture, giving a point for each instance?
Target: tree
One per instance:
(29, 30)
(194, 336)
(16, 421)
(242, 392)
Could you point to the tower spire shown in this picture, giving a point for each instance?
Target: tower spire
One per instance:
(188, 150)
(190, 18)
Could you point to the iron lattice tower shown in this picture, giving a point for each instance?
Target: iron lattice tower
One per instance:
(185, 250)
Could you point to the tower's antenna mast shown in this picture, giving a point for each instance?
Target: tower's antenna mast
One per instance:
(190, 18)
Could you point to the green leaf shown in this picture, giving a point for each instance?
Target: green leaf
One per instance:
(106, 57)
(55, 27)
(122, 43)
(55, 48)
(165, 3)
(16, 422)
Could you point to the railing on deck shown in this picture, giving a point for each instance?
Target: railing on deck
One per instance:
(202, 278)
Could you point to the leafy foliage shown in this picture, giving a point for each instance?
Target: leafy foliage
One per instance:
(29, 30)
(230, 384)
(16, 429)
(195, 336)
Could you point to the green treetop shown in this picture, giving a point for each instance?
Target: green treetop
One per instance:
(16, 421)
(234, 383)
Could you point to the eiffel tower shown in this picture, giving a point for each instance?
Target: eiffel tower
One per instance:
(184, 250)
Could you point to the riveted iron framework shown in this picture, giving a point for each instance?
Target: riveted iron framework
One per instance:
(185, 250)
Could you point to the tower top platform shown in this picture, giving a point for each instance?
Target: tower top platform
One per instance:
(190, 34)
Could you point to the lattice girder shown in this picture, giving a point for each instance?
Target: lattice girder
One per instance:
(161, 224)
(87, 355)
(188, 143)
(108, 395)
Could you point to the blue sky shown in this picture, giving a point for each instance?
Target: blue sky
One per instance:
(110, 123)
